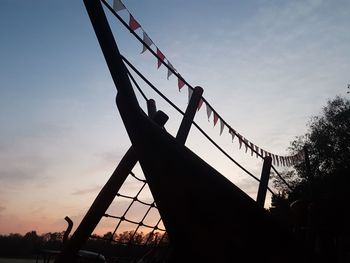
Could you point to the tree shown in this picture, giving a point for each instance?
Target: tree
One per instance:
(320, 189)
(328, 146)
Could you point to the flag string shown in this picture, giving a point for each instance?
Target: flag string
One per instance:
(147, 43)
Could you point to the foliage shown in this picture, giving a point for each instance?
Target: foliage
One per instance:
(328, 146)
(318, 202)
(328, 141)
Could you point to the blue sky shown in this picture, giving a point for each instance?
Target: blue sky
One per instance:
(265, 66)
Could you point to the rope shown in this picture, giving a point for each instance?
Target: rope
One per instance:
(177, 75)
(154, 229)
(193, 122)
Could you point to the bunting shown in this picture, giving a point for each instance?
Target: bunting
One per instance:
(245, 144)
(232, 132)
(222, 126)
(133, 24)
(209, 111)
(118, 5)
(190, 92)
(216, 118)
(251, 149)
(180, 83)
(161, 57)
(200, 103)
(170, 72)
(147, 43)
(240, 139)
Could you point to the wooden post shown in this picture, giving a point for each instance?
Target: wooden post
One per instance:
(151, 108)
(186, 123)
(264, 181)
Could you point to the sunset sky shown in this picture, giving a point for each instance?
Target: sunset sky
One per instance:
(266, 67)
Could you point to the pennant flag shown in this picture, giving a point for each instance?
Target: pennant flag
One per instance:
(169, 71)
(200, 104)
(257, 151)
(222, 125)
(251, 148)
(281, 160)
(216, 118)
(240, 140)
(118, 5)
(277, 160)
(262, 153)
(161, 57)
(209, 111)
(246, 144)
(147, 41)
(273, 159)
(232, 132)
(190, 92)
(133, 24)
(180, 83)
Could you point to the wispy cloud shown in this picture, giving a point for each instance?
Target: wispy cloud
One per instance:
(89, 190)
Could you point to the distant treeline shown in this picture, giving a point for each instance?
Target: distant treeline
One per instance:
(22, 246)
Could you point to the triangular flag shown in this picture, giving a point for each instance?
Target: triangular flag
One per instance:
(245, 144)
(180, 83)
(232, 132)
(147, 41)
(277, 160)
(216, 118)
(161, 57)
(222, 125)
(170, 72)
(239, 140)
(209, 111)
(273, 159)
(118, 5)
(257, 151)
(251, 149)
(133, 24)
(262, 153)
(200, 103)
(190, 92)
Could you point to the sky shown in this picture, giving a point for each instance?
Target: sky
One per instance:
(266, 67)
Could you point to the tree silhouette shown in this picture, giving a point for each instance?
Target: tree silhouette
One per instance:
(320, 196)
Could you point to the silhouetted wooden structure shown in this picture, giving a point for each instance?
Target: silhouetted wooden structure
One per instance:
(207, 217)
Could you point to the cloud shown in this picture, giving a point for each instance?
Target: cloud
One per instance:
(2, 208)
(92, 189)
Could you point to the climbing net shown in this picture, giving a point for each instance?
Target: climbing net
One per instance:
(134, 221)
